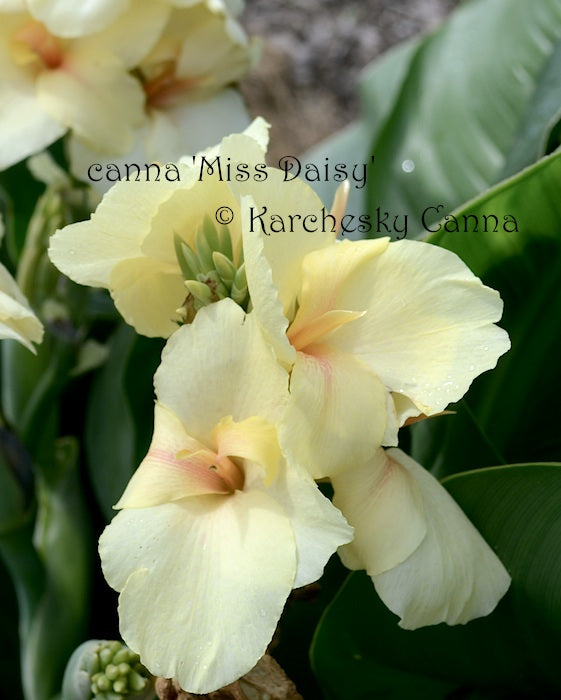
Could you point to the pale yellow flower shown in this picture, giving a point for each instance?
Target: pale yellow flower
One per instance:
(49, 84)
(427, 561)
(189, 105)
(17, 320)
(374, 332)
(136, 258)
(216, 528)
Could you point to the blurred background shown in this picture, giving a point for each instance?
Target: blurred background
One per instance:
(312, 52)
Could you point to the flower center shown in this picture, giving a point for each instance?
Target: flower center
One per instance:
(301, 336)
(39, 44)
(164, 85)
(212, 269)
(216, 472)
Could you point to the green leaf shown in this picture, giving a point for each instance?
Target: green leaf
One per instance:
(462, 106)
(360, 652)
(379, 87)
(542, 116)
(510, 413)
(110, 432)
(120, 414)
(19, 192)
(62, 538)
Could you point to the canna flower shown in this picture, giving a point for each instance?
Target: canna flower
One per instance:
(185, 77)
(373, 333)
(168, 255)
(427, 561)
(17, 320)
(117, 73)
(215, 528)
(49, 84)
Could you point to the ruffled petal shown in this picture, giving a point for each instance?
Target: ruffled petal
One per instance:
(187, 128)
(319, 527)
(69, 19)
(429, 328)
(175, 467)
(223, 361)
(17, 320)
(133, 33)
(384, 505)
(336, 414)
(94, 95)
(453, 576)
(88, 251)
(254, 439)
(325, 274)
(282, 215)
(27, 127)
(265, 299)
(147, 295)
(203, 583)
(199, 28)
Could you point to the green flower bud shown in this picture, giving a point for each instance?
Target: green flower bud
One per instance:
(212, 269)
(102, 670)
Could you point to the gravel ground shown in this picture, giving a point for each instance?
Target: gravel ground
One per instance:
(305, 84)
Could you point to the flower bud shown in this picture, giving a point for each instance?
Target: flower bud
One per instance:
(106, 670)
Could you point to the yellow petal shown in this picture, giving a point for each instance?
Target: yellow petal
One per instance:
(325, 275)
(93, 94)
(265, 299)
(203, 583)
(67, 18)
(384, 505)
(453, 576)
(319, 528)
(219, 366)
(132, 34)
(429, 328)
(87, 251)
(285, 249)
(254, 439)
(147, 294)
(336, 414)
(26, 126)
(176, 466)
(17, 320)
(198, 28)
(190, 127)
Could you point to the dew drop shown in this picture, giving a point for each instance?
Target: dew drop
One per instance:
(408, 166)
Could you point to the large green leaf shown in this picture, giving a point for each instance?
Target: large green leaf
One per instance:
(510, 413)
(541, 118)
(463, 106)
(360, 652)
(379, 87)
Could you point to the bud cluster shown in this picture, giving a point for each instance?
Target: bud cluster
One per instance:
(212, 269)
